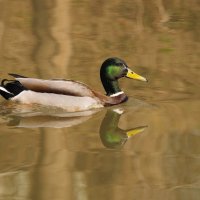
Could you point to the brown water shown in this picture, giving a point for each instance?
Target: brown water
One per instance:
(50, 154)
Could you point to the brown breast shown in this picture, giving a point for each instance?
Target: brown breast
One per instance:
(109, 101)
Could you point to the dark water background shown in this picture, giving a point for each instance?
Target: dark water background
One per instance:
(47, 154)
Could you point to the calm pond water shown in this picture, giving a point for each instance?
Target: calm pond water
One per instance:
(146, 148)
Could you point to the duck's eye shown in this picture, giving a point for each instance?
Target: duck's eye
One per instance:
(125, 70)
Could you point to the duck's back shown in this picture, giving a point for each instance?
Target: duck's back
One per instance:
(56, 86)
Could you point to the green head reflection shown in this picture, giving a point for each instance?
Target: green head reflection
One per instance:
(111, 135)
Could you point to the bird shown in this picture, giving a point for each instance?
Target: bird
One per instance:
(69, 94)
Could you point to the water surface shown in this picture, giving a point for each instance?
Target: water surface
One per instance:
(146, 148)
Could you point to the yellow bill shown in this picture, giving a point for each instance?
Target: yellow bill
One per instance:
(135, 131)
(133, 75)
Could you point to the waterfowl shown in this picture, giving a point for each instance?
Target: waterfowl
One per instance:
(68, 94)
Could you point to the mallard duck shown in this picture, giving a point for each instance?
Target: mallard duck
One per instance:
(68, 94)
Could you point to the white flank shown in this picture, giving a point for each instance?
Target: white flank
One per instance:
(117, 94)
(69, 103)
(4, 89)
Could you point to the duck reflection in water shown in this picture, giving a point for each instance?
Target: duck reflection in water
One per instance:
(34, 116)
(111, 135)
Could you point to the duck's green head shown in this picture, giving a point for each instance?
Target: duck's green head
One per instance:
(111, 70)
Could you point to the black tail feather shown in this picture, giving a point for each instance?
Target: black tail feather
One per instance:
(6, 94)
(11, 89)
(15, 87)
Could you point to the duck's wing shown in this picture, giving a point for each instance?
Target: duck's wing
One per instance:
(56, 86)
